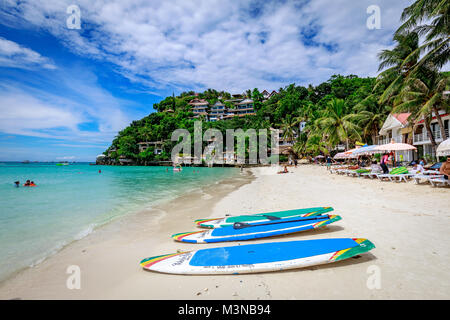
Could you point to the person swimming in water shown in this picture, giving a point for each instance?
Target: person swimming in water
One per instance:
(32, 184)
(27, 183)
(17, 184)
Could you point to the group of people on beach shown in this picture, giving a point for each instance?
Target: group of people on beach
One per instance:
(28, 183)
(388, 158)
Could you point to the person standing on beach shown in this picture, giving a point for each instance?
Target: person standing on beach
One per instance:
(383, 163)
(329, 160)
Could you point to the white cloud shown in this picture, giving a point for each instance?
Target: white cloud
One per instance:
(23, 114)
(221, 44)
(79, 111)
(14, 55)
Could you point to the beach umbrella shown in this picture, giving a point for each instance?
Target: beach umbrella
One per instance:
(394, 146)
(340, 155)
(350, 152)
(444, 148)
(344, 155)
(365, 150)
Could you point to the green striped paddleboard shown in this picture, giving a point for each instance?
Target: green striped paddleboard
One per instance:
(261, 217)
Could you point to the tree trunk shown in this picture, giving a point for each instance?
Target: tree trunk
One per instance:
(373, 137)
(441, 124)
(411, 136)
(430, 134)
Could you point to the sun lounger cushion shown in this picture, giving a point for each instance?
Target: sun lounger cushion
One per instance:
(399, 170)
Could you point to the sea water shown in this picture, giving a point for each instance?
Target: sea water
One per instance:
(70, 201)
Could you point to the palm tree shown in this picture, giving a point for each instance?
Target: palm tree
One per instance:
(370, 116)
(423, 97)
(370, 123)
(337, 124)
(289, 128)
(436, 32)
(398, 62)
(316, 145)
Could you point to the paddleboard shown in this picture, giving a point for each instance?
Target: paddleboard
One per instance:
(261, 257)
(261, 217)
(244, 231)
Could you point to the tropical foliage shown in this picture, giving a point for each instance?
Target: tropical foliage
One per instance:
(340, 111)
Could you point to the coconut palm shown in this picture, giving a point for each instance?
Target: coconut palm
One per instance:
(289, 126)
(398, 62)
(337, 124)
(370, 123)
(300, 145)
(315, 146)
(436, 14)
(370, 116)
(423, 97)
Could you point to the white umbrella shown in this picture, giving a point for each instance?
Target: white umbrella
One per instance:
(444, 148)
(395, 146)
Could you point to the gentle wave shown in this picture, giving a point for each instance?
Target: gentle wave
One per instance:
(71, 202)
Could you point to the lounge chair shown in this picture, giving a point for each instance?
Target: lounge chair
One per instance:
(382, 176)
(400, 177)
(400, 172)
(371, 175)
(419, 177)
(439, 182)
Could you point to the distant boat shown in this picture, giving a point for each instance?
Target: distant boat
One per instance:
(62, 164)
(26, 161)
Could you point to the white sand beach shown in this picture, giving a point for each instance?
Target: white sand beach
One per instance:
(408, 223)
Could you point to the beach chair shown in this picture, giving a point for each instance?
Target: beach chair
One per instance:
(426, 177)
(401, 173)
(370, 175)
(382, 176)
(351, 173)
(439, 182)
(400, 177)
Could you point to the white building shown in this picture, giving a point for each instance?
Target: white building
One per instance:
(421, 138)
(396, 127)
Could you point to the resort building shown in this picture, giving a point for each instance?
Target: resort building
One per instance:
(242, 107)
(230, 113)
(268, 95)
(199, 107)
(156, 144)
(421, 138)
(245, 107)
(396, 127)
(217, 111)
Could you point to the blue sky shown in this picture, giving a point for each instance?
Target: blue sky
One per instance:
(64, 93)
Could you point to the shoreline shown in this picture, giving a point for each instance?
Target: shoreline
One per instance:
(138, 223)
(407, 223)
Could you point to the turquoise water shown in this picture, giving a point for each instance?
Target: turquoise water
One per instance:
(70, 201)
